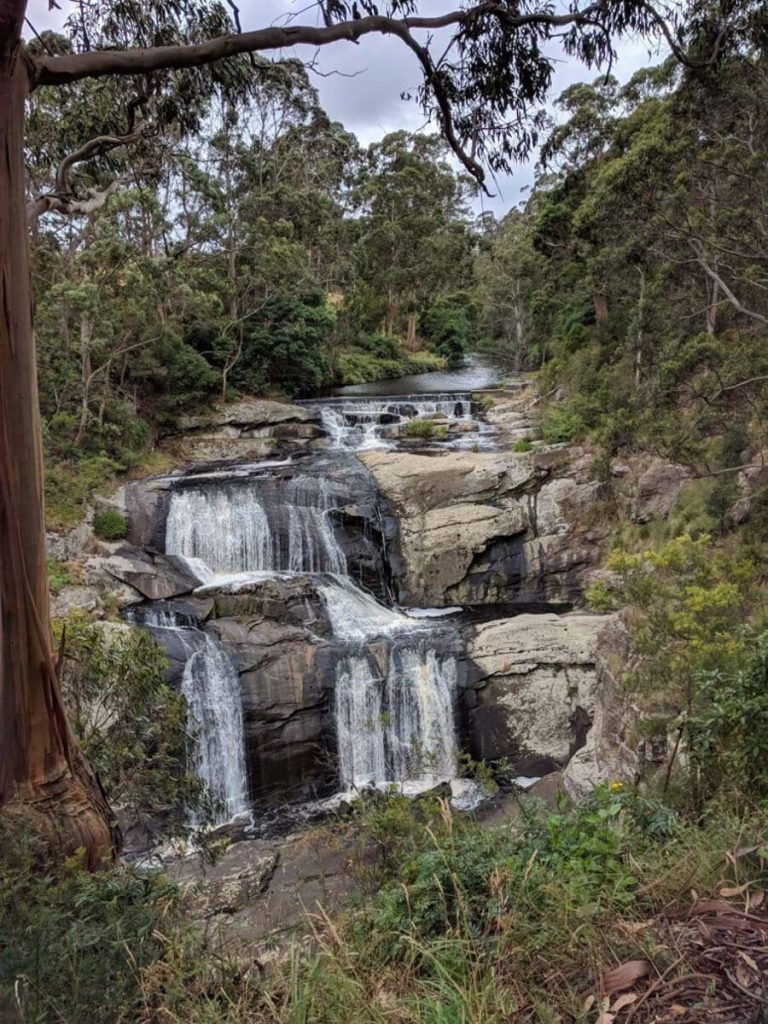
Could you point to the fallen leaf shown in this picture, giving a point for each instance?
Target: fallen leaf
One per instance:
(756, 899)
(735, 890)
(743, 976)
(711, 907)
(625, 975)
(748, 959)
(677, 1009)
(606, 1018)
(626, 1000)
(589, 1002)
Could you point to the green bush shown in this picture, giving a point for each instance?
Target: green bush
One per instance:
(728, 731)
(522, 445)
(73, 944)
(423, 362)
(448, 326)
(562, 424)
(425, 430)
(58, 576)
(109, 524)
(70, 485)
(131, 725)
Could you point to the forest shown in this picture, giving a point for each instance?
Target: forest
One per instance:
(383, 619)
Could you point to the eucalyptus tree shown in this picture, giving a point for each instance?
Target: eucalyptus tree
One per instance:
(486, 67)
(412, 231)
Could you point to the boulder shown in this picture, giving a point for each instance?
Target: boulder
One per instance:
(482, 528)
(156, 577)
(74, 599)
(233, 888)
(246, 412)
(607, 754)
(250, 428)
(536, 687)
(657, 490)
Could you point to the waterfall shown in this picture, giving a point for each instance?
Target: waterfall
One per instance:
(359, 424)
(211, 686)
(399, 727)
(240, 528)
(226, 528)
(394, 691)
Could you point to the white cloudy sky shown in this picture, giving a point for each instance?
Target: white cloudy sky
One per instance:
(369, 103)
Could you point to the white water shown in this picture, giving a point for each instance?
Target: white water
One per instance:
(221, 531)
(394, 723)
(399, 726)
(211, 686)
(362, 424)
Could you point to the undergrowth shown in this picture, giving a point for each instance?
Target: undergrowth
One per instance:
(461, 924)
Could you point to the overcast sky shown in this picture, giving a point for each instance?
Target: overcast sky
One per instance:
(382, 67)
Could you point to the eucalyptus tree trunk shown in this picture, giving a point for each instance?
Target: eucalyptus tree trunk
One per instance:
(44, 780)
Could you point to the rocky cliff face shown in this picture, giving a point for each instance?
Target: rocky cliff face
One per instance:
(542, 695)
(434, 528)
(251, 428)
(493, 527)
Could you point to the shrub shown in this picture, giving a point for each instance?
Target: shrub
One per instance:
(73, 944)
(448, 325)
(561, 424)
(728, 732)
(69, 486)
(109, 524)
(59, 576)
(522, 445)
(423, 362)
(425, 430)
(131, 725)
(486, 403)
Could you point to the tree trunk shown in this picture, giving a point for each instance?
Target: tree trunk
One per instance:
(44, 780)
(410, 332)
(600, 300)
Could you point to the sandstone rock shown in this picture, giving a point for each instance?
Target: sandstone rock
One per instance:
(482, 528)
(155, 577)
(247, 412)
(606, 755)
(72, 598)
(228, 892)
(265, 889)
(536, 686)
(441, 545)
(657, 490)
(71, 544)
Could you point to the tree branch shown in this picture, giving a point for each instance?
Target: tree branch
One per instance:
(51, 202)
(101, 144)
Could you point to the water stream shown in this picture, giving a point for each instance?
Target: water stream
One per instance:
(211, 685)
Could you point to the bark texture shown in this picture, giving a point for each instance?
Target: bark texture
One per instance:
(43, 776)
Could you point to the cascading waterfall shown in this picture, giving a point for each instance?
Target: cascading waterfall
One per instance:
(400, 726)
(392, 726)
(211, 686)
(238, 528)
(360, 424)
